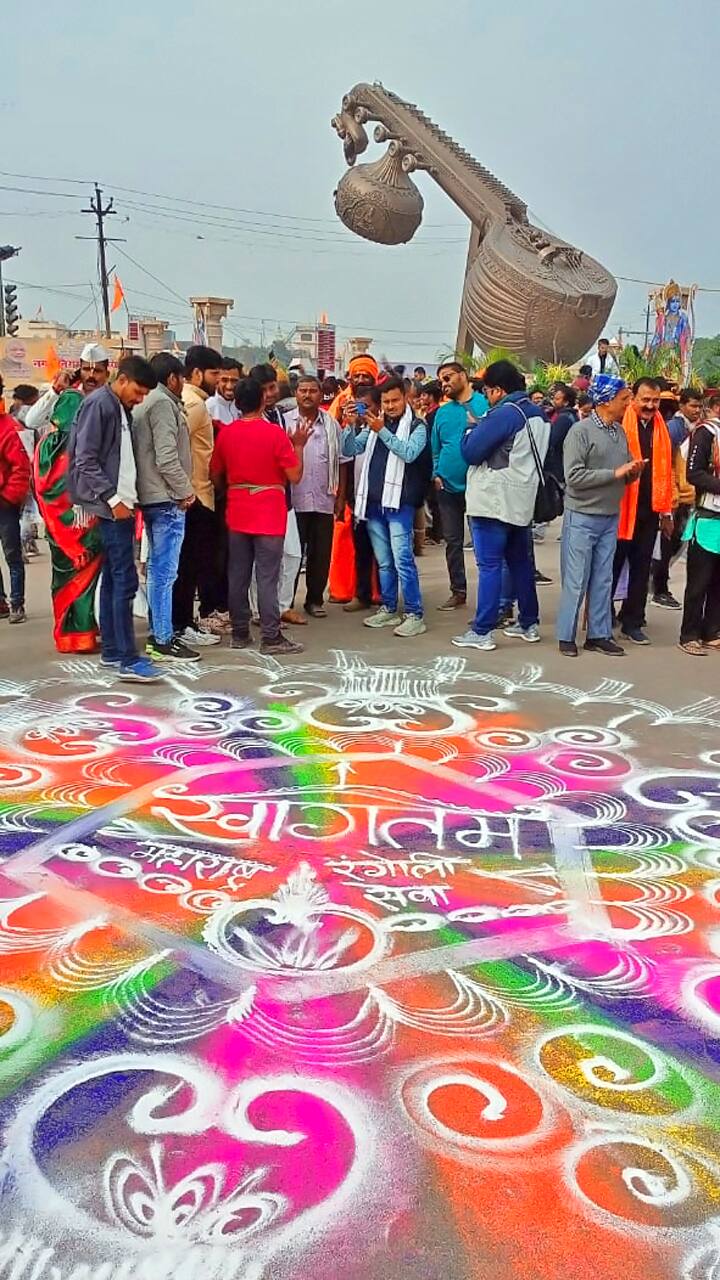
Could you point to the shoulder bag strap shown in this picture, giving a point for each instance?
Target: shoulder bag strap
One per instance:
(533, 446)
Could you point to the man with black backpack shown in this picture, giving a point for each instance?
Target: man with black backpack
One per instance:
(505, 452)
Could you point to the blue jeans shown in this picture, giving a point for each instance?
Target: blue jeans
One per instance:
(165, 526)
(11, 544)
(117, 591)
(391, 535)
(507, 600)
(495, 541)
(587, 551)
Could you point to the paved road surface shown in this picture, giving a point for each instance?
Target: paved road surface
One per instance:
(395, 961)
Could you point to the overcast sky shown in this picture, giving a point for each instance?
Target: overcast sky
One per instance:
(603, 117)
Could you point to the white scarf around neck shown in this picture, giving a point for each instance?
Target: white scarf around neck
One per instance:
(394, 470)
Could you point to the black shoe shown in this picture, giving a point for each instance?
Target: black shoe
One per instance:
(281, 645)
(315, 611)
(174, 650)
(242, 642)
(635, 634)
(666, 600)
(541, 579)
(607, 646)
(568, 648)
(4, 609)
(506, 616)
(17, 615)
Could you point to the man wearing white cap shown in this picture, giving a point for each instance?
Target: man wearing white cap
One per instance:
(94, 372)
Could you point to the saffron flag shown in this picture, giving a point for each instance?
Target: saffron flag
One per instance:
(52, 363)
(118, 296)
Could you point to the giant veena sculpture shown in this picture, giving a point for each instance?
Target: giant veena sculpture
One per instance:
(524, 289)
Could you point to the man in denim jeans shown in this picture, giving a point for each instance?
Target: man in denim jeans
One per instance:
(103, 482)
(502, 484)
(165, 491)
(597, 466)
(391, 486)
(462, 408)
(14, 488)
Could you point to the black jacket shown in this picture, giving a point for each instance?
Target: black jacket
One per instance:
(702, 467)
(558, 432)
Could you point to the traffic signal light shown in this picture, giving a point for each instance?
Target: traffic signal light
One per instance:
(12, 315)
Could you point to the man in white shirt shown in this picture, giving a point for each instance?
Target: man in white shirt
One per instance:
(604, 360)
(318, 498)
(221, 406)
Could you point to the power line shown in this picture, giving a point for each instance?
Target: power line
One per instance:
(306, 248)
(199, 204)
(38, 177)
(36, 213)
(286, 217)
(80, 314)
(164, 211)
(659, 284)
(438, 334)
(28, 191)
(64, 290)
(125, 254)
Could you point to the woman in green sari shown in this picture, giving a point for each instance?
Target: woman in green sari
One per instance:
(75, 549)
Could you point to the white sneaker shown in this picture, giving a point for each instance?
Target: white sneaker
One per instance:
(383, 618)
(193, 636)
(471, 640)
(531, 634)
(412, 625)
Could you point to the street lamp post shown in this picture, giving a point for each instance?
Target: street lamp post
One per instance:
(6, 251)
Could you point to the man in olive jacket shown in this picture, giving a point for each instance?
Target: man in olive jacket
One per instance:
(203, 366)
(165, 492)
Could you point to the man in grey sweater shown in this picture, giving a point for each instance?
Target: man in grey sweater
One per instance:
(597, 467)
(165, 491)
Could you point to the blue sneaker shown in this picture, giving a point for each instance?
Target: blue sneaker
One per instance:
(472, 640)
(141, 671)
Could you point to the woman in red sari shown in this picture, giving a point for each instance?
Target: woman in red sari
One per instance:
(75, 548)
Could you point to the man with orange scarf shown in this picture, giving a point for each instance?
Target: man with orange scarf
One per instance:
(351, 568)
(646, 505)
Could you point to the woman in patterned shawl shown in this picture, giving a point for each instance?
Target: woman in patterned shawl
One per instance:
(75, 548)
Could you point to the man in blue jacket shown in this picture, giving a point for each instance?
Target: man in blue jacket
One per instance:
(391, 486)
(502, 484)
(103, 483)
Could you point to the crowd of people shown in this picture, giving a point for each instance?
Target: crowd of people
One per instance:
(219, 485)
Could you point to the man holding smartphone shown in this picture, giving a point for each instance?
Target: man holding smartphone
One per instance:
(352, 560)
(391, 485)
(92, 374)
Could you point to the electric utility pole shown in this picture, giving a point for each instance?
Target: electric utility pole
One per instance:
(100, 213)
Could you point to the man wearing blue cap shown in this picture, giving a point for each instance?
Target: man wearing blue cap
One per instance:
(597, 466)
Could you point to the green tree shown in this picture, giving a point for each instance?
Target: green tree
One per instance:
(706, 360)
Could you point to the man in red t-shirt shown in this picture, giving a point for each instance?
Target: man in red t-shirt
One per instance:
(254, 460)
